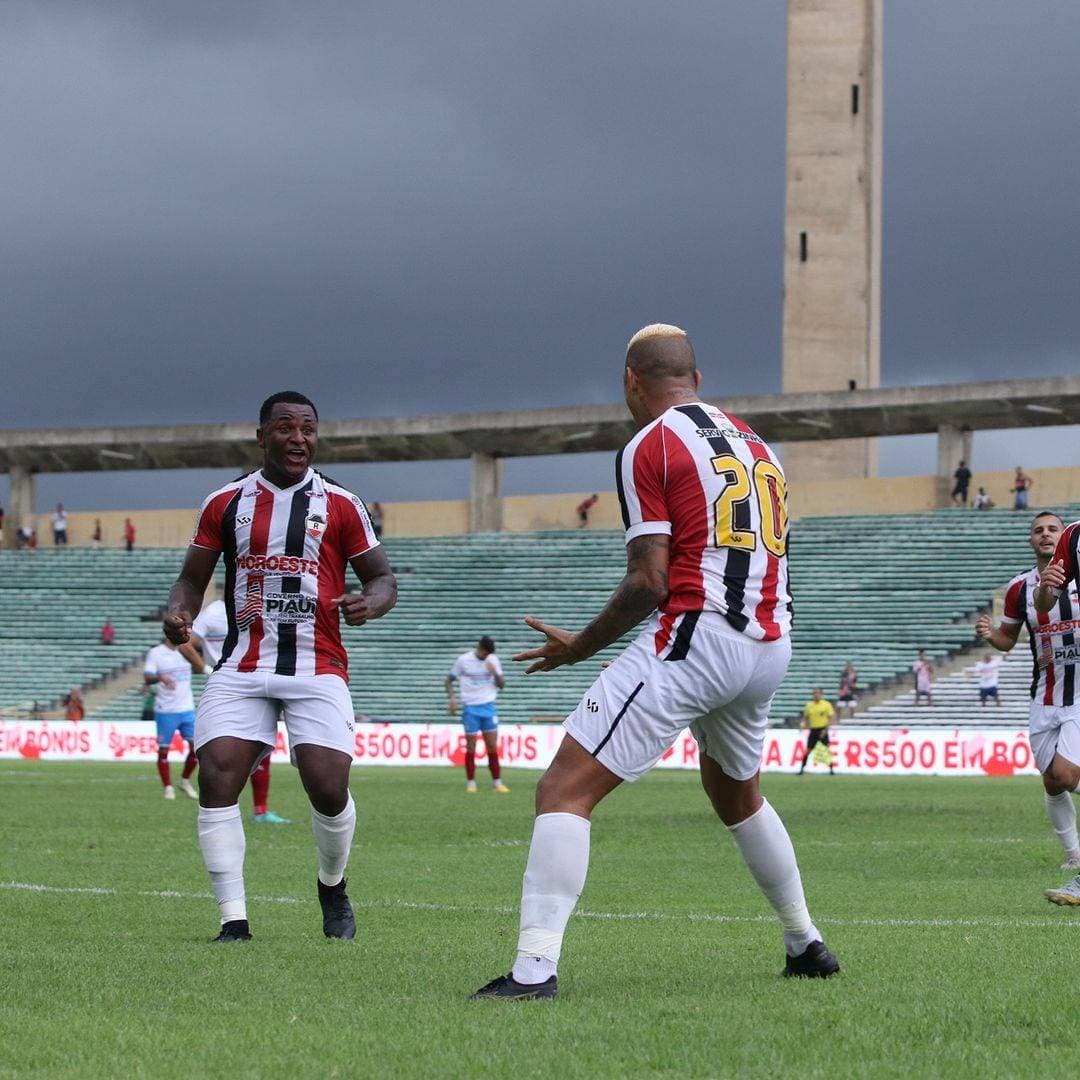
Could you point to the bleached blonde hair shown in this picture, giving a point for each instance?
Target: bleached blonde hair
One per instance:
(656, 330)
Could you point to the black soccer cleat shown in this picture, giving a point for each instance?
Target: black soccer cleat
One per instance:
(236, 930)
(815, 963)
(337, 913)
(508, 988)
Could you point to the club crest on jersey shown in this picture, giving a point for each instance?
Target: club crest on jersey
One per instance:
(315, 525)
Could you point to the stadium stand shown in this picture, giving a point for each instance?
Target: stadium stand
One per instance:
(871, 589)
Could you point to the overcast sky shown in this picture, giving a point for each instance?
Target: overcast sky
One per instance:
(406, 208)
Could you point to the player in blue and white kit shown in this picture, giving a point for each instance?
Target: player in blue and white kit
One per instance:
(481, 677)
(169, 673)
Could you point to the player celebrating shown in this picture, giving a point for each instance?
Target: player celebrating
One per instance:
(705, 510)
(1058, 606)
(174, 710)
(287, 534)
(481, 678)
(208, 633)
(1054, 724)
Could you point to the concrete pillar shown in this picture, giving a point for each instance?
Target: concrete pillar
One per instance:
(953, 446)
(832, 231)
(485, 494)
(21, 502)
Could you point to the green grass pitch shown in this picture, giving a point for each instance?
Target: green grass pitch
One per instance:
(929, 891)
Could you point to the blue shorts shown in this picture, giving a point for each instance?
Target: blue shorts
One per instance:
(477, 718)
(987, 692)
(168, 723)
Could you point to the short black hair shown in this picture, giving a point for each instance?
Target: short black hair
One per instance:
(292, 397)
(486, 643)
(1046, 513)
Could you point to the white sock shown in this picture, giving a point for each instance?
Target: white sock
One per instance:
(1062, 813)
(333, 839)
(554, 878)
(767, 851)
(221, 838)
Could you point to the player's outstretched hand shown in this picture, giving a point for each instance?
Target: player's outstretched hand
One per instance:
(354, 606)
(556, 652)
(984, 627)
(177, 626)
(1053, 576)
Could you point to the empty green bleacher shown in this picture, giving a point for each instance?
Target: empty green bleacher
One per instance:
(871, 589)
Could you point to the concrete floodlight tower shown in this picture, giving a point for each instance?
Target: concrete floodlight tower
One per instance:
(832, 232)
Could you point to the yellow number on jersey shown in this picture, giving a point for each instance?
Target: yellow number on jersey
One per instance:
(768, 484)
(736, 491)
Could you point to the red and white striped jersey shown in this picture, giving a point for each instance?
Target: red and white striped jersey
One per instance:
(286, 551)
(1052, 636)
(706, 479)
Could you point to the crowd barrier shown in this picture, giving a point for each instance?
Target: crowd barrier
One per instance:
(862, 751)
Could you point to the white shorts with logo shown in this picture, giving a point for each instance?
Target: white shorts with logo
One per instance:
(721, 690)
(1054, 729)
(246, 705)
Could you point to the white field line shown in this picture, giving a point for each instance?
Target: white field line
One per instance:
(604, 916)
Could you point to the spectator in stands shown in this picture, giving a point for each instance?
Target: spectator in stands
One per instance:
(108, 632)
(74, 709)
(847, 696)
(982, 501)
(375, 513)
(1, 525)
(59, 526)
(129, 534)
(923, 671)
(27, 536)
(962, 476)
(583, 509)
(817, 715)
(1022, 485)
(987, 672)
(95, 539)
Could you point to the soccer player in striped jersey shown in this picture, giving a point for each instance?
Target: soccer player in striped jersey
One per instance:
(1054, 724)
(1058, 606)
(287, 535)
(705, 510)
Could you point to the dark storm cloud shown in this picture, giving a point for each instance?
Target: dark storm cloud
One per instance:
(408, 208)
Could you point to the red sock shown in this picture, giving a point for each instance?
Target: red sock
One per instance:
(260, 785)
(190, 764)
(470, 764)
(493, 764)
(163, 767)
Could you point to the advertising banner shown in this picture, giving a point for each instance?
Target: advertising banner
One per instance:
(864, 751)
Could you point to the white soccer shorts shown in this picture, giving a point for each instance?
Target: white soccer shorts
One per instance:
(245, 705)
(1054, 729)
(721, 690)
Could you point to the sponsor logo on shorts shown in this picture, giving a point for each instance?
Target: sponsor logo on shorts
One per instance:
(290, 607)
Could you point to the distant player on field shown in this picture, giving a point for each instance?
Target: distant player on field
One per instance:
(288, 535)
(1057, 604)
(1053, 719)
(705, 510)
(818, 713)
(169, 673)
(480, 676)
(208, 634)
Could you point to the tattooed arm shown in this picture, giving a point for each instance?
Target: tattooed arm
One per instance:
(644, 586)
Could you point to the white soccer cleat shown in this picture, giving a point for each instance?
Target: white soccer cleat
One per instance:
(1066, 896)
(470, 787)
(185, 786)
(1072, 861)
(170, 794)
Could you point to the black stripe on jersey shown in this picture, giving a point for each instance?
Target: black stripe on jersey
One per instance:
(1021, 606)
(228, 544)
(737, 564)
(683, 636)
(294, 545)
(615, 722)
(619, 488)
(1068, 680)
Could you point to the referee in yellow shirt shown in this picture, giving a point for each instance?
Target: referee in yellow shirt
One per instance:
(816, 715)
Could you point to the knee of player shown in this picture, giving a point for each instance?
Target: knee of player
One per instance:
(1065, 774)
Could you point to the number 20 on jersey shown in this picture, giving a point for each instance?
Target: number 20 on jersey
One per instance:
(764, 480)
